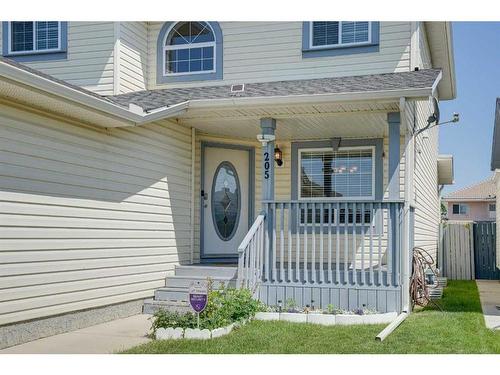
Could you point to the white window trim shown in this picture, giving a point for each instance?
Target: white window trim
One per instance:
(34, 50)
(340, 44)
(327, 199)
(188, 46)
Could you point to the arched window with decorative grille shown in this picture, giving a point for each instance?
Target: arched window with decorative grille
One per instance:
(190, 51)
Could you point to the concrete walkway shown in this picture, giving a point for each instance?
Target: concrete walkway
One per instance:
(109, 337)
(489, 293)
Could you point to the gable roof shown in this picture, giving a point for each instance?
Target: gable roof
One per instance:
(150, 100)
(495, 147)
(484, 190)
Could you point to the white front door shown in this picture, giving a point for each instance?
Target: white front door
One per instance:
(226, 201)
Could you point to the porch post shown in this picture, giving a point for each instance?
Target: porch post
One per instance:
(268, 127)
(394, 122)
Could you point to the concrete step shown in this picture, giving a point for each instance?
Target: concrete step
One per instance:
(185, 281)
(151, 306)
(171, 294)
(206, 271)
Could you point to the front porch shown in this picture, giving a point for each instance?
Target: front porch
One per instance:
(330, 220)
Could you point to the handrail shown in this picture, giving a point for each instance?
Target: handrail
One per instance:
(251, 232)
(250, 256)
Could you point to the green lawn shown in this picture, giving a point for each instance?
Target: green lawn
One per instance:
(459, 329)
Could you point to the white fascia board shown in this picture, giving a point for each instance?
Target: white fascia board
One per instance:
(133, 116)
(316, 98)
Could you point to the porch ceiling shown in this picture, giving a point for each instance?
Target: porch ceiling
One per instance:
(305, 121)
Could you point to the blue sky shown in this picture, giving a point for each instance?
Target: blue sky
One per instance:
(477, 69)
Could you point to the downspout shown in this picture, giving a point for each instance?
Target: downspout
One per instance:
(193, 190)
(405, 251)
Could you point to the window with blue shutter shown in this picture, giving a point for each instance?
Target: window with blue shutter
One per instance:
(331, 38)
(25, 41)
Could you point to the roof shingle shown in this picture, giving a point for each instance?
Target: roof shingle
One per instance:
(484, 190)
(153, 99)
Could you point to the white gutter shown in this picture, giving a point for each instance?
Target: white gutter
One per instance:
(316, 98)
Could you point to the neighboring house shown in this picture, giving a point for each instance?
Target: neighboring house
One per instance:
(473, 203)
(134, 151)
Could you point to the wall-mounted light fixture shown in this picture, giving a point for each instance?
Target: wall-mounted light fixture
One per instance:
(278, 156)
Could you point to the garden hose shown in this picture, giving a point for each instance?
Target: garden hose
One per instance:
(419, 288)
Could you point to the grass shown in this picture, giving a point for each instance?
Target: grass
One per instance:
(458, 329)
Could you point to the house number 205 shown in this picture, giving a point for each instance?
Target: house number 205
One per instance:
(266, 165)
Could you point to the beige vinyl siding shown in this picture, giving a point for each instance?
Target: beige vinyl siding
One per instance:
(424, 55)
(271, 51)
(90, 57)
(426, 196)
(133, 56)
(89, 216)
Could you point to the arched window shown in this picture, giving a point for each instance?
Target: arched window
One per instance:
(189, 51)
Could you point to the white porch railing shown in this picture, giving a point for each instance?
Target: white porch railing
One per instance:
(251, 256)
(337, 244)
(341, 243)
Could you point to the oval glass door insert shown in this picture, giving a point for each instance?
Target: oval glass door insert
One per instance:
(226, 200)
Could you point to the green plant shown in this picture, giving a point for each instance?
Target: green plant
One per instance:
(290, 305)
(224, 306)
(330, 309)
(164, 319)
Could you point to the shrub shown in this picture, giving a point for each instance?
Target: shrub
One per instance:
(224, 307)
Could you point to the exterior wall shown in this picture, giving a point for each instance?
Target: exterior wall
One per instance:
(478, 211)
(89, 216)
(132, 70)
(423, 53)
(425, 191)
(90, 60)
(272, 51)
(119, 57)
(283, 183)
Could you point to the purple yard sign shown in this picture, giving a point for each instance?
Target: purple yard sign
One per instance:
(198, 295)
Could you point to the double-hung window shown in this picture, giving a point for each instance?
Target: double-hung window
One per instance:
(33, 37)
(334, 38)
(34, 40)
(326, 34)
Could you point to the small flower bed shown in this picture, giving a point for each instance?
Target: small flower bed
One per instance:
(330, 316)
(291, 307)
(224, 307)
